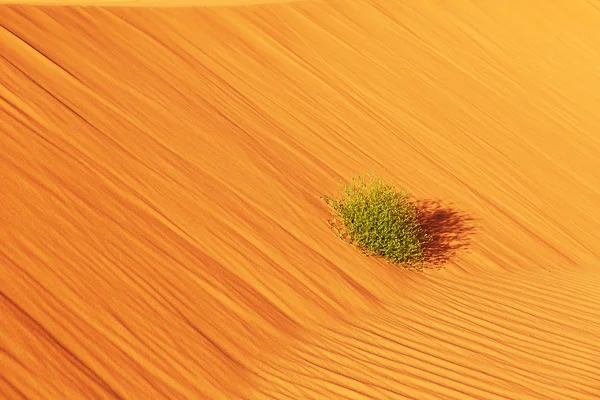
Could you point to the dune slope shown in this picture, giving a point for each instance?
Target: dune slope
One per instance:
(161, 227)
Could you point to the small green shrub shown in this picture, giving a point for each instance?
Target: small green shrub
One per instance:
(372, 215)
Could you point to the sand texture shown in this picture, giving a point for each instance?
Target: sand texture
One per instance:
(161, 228)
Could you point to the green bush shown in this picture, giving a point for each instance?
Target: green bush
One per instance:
(372, 215)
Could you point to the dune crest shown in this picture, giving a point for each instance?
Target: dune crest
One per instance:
(161, 227)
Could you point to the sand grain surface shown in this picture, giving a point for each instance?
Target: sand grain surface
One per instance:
(161, 228)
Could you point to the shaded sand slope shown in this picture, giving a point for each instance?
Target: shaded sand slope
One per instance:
(161, 228)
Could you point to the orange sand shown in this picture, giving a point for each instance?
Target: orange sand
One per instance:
(161, 228)
(145, 3)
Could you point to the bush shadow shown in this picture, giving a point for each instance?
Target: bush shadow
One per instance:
(449, 231)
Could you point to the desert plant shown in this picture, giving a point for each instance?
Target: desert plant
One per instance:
(380, 220)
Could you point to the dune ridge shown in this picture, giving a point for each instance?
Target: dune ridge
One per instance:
(163, 234)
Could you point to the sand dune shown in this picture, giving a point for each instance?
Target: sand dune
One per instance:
(161, 228)
(145, 3)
